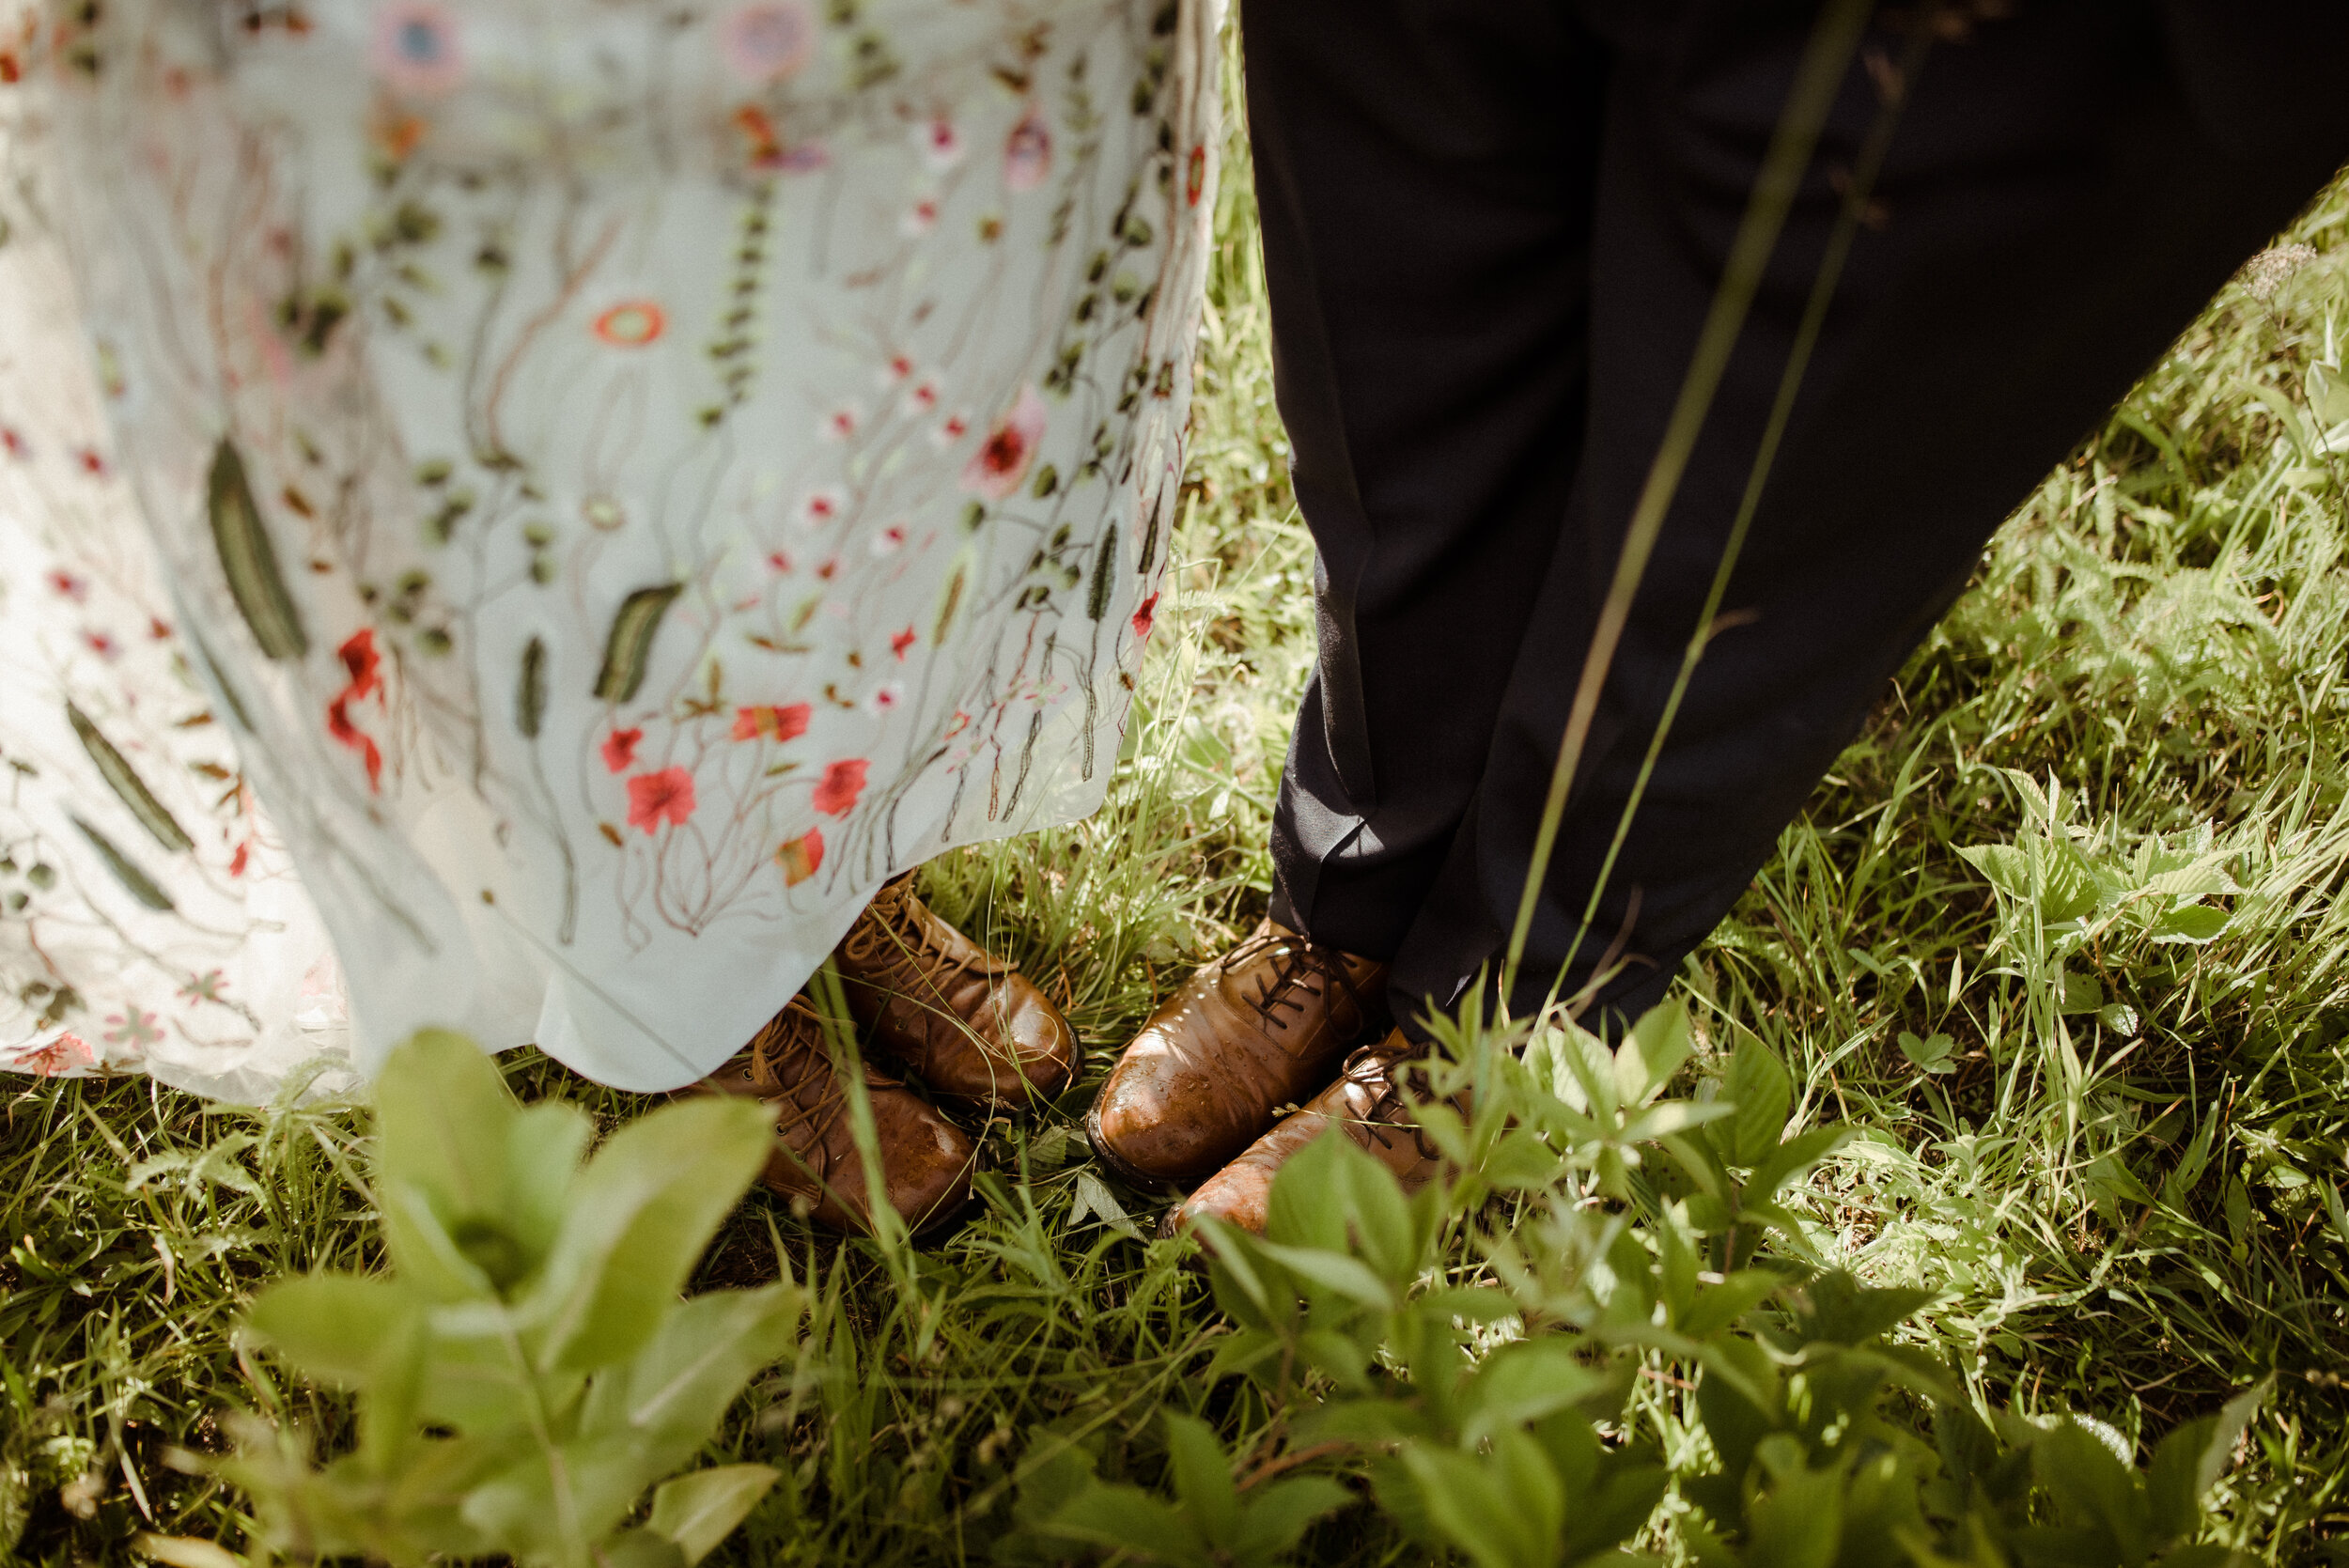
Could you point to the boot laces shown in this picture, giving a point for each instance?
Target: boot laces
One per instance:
(1292, 979)
(890, 935)
(792, 1053)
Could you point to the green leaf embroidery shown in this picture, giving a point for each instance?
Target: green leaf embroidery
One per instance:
(250, 561)
(141, 886)
(125, 782)
(530, 691)
(628, 650)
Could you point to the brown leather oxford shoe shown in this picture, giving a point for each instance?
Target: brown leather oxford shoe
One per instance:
(1365, 1104)
(971, 1027)
(927, 1159)
(1263, 1027)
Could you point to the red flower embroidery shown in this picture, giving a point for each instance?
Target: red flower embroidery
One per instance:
(365, 667)
(902, 640)
(11, 443)
(1195, 176)
(90, 459)
(775, 723)
(73, 587)
(619, 750)
(237, 862)
(801, 858)
(102, 645)
(364, 663)
(842, 783)
(1147, 616)
(1001, 460)
(653, 797)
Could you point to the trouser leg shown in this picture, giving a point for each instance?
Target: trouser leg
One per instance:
(2067, 186)
(1423, 170)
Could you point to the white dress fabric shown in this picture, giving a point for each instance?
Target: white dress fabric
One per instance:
(628, 478)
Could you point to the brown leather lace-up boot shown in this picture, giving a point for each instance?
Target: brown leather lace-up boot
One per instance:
(1263, 1027)
(1365, 1104)
(926, 1158)
(974, 1028)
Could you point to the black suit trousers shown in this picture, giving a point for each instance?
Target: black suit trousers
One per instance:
(1491, 231)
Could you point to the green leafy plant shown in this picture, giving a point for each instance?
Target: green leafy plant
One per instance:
(1489, 1411)
(525, 1369)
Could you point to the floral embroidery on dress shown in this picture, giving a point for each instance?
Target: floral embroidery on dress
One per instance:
(607, 450)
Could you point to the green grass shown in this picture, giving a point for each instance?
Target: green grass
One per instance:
(2124, 1175)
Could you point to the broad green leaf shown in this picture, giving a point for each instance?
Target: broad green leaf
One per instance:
(1276, 1517)
(1379, 1218)
(1672, 1117)
(1652, 1052)
(550, 1505)
(2005, 867)
(1131, 1519)
(1720, 1306)
(2089, 1485)
(1203, 1479)
(2174, 1502)
(543, 1151)
(639, 1549)
(699, 1510)
(331, 1326)
(1348, 1277)
(1759, 1088)
(1797, 1155)
(1499, 1510)
(676, 1388)
(2195, 923)
(2077, 993)
(1523, 1382)
(442, 1115)
(2234, 1419)
(1307, 1208)
(1797, 1522)
(2203, 879)
(639, 1219)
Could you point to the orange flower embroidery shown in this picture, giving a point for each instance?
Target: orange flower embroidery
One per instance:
(632, 324)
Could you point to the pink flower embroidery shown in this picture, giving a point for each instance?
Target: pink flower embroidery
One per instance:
(63, 1054)
(841, 422)
(890, 540)
(73, 587)
(103, 645)
(619, 750)
(417, 49)
(364, 665)
(133, 1028)
(888, 695)
(1146, 617)
(801, 858)
(843, 781)
(1002, 461)
(654, 798)
(13, 443)
(767, 42)
(1028, 152)
(918, 219)
(772, 723)
(939, 143)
